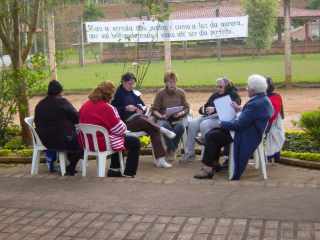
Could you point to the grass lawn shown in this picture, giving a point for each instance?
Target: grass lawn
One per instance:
(197, 72)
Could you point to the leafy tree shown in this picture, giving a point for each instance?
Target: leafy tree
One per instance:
(262, 22)
(314, 4)
(19, 18)
(149, 9)
(153, 9)
(92, 12)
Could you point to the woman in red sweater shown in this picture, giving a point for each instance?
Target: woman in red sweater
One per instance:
(98, 111)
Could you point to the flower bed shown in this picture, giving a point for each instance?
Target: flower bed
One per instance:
(299, 145)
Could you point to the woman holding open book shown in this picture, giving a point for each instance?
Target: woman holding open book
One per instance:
(132, 111)
(209, 118)
(170, 107)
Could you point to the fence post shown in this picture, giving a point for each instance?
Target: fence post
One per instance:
(81, 46)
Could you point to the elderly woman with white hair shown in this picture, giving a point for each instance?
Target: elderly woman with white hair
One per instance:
(248, 128)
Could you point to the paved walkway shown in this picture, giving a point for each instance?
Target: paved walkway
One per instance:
(160, 204)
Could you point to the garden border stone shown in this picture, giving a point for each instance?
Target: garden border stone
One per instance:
(300, 163)
(148, 151)
(26, 160)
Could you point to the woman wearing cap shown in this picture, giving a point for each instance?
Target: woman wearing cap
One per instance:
(54, 119)
(132, 109)
(208, 119)
(98, 111)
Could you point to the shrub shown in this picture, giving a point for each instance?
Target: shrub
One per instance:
(15, 143)
(310, 122)
(25, 152)
(8, 105)
(300, 142)
(4, 152)
(302, 155)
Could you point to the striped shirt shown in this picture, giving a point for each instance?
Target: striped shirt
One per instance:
(105, 115)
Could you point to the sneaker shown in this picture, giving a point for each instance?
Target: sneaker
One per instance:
(167, 133)
(204, 174)
(162, 163)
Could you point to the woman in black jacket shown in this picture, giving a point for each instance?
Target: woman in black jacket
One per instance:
(209, 118)
(55, 120)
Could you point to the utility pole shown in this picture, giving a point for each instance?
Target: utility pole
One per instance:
(219, 50)
(51, 45)
(167, 46)
(287, 43)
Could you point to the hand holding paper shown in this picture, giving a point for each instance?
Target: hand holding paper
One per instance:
(224, 108)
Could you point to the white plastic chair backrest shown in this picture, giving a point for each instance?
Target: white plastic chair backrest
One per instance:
(87, 130)
(35, 137)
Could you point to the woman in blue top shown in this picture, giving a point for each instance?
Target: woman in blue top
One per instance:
(132, 110)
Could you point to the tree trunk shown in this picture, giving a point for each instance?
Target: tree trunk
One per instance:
(51, 45)
(16, 57)
(287, 43)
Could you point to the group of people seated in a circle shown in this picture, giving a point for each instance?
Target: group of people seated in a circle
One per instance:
(121, 111)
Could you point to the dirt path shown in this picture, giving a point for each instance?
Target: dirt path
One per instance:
(295, 100)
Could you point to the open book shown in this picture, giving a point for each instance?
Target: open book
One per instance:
(173, 110)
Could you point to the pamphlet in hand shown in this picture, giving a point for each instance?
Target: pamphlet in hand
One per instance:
(224, 108)
(173, 110)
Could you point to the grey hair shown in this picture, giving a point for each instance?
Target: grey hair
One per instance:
(225, 80)
(257, 83)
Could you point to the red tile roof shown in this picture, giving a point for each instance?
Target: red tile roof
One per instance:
(232, 11)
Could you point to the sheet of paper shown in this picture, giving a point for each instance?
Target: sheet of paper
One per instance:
(173, 110)
(224, 108)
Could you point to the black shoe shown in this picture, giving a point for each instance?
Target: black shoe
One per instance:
(129, 174)
(112, 173)
(218, 168)
(70, 171)
(204, 175)
(199, 140)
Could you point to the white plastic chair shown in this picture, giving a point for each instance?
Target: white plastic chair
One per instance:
(38, 147)
(258, 157)
(91, 130)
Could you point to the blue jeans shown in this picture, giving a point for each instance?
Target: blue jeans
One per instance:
(178, 129)
(51, 157)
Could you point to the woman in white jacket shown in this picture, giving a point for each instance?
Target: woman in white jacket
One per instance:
(276, 135)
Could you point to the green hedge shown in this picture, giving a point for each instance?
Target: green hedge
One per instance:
(299, 141)
(302, 155)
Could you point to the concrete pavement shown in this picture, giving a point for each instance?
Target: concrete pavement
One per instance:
(160, 204)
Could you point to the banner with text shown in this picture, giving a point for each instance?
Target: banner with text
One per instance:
(173, 30)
